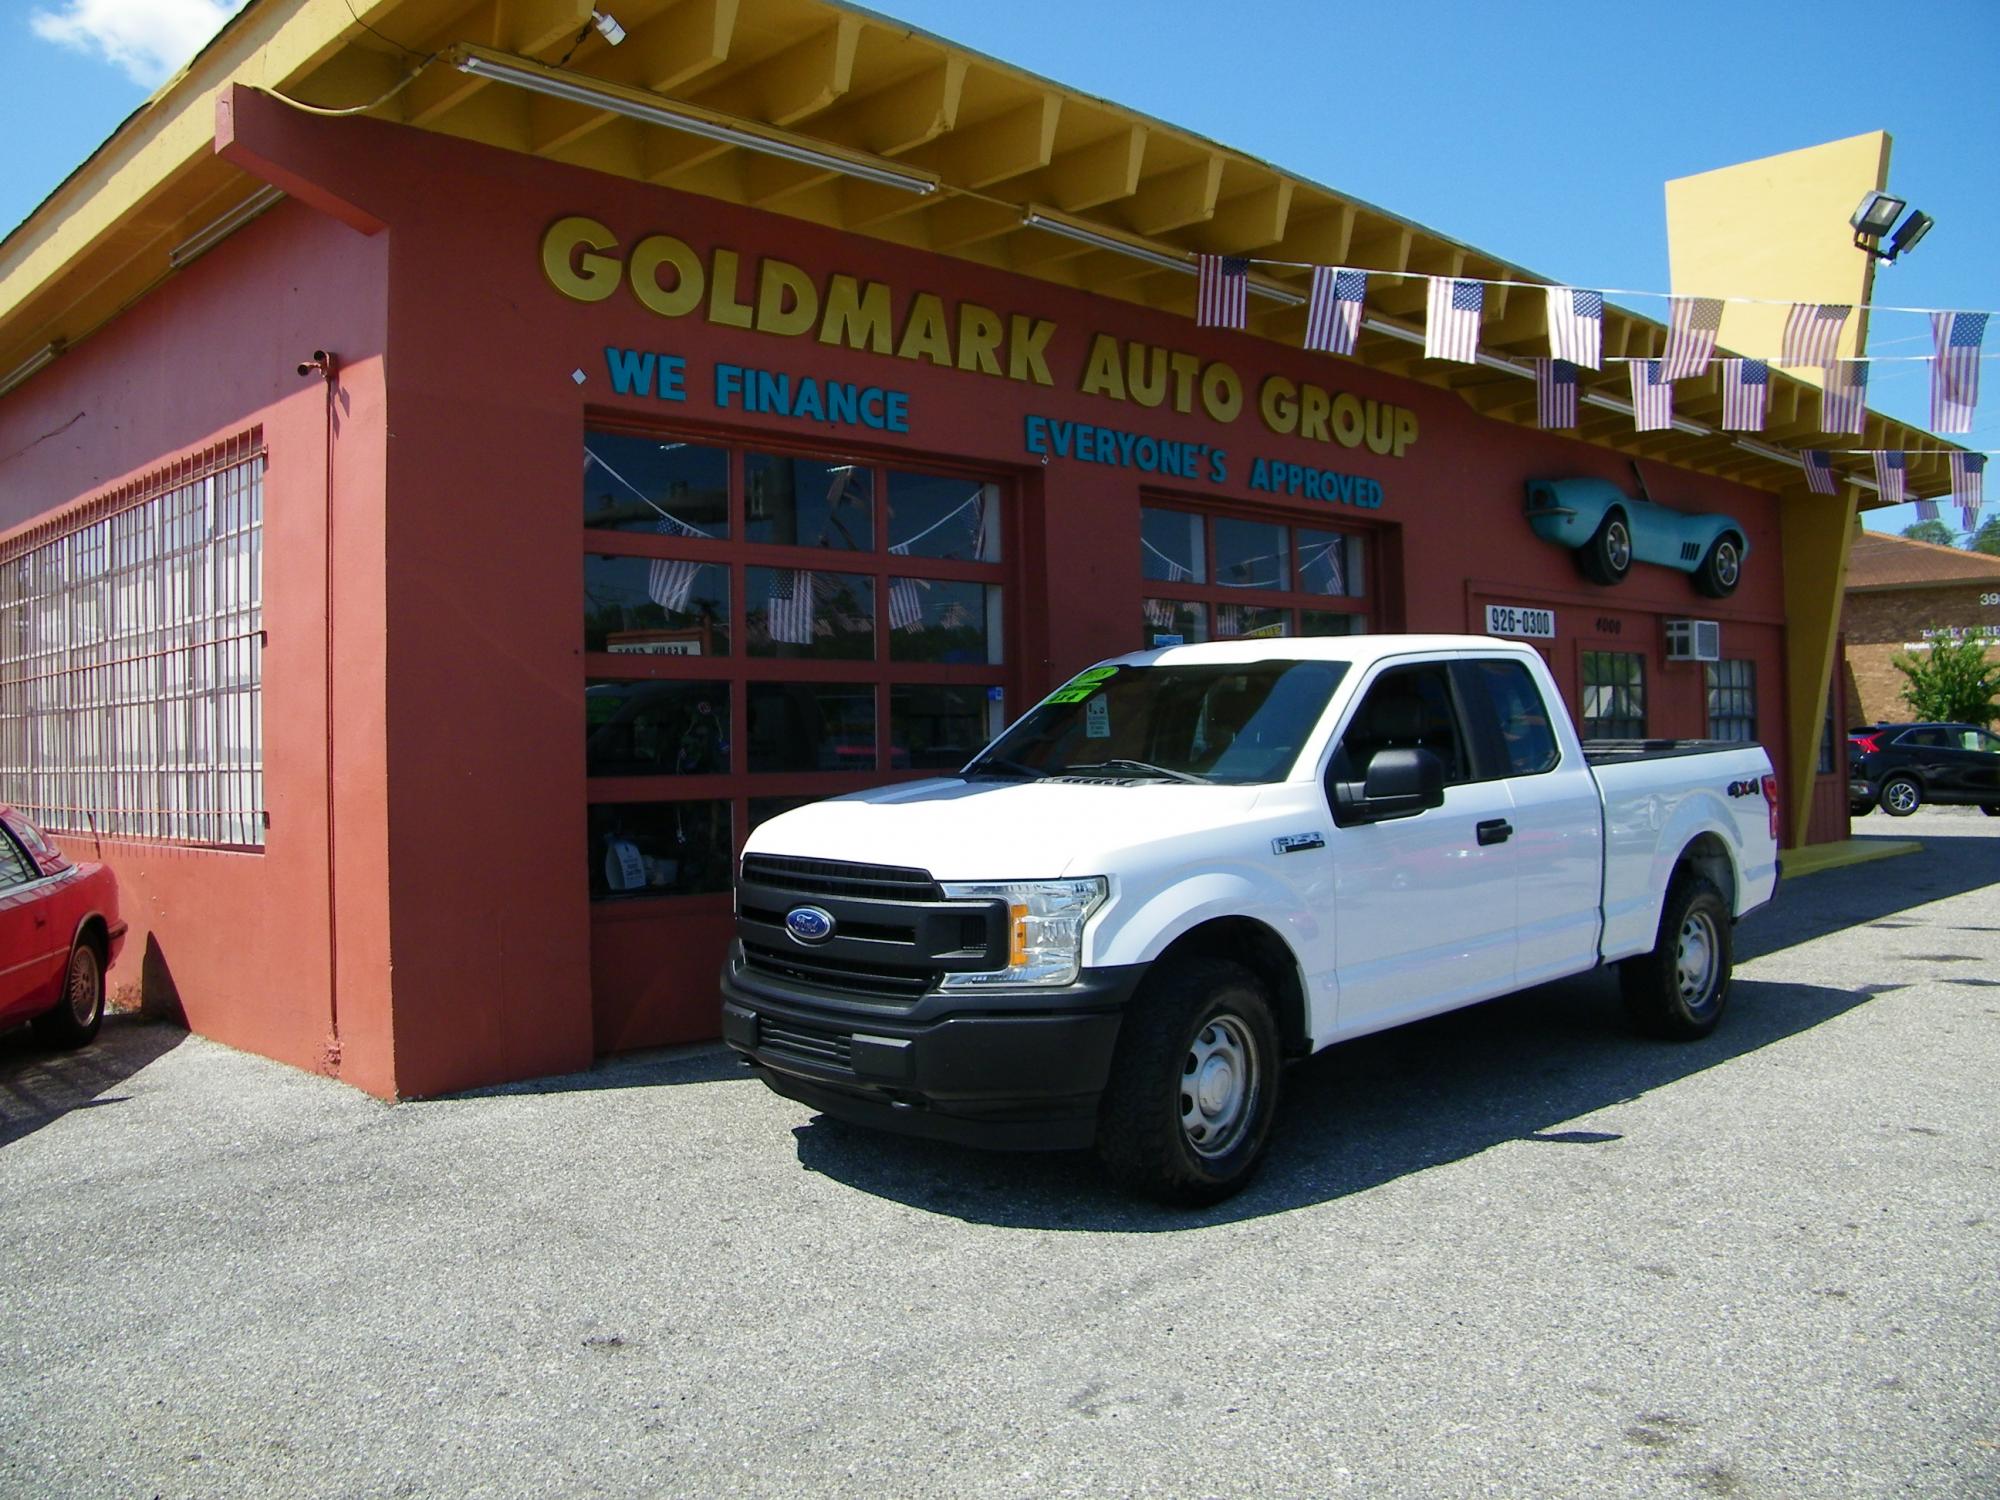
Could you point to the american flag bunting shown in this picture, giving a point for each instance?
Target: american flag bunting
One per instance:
(1576, 326)
(1652, 397)
(1812, 333)
(1222, 293)
(1333, 319)
(1555, 393)
(1691, 330)
(1162, 613)
(789, 614)
(1451, 323)
(1843, 405)
(1890, 470)
(1955, 370)
(670, 581)
(1968, 479)
(1968, 518)
(1819, 470)
(906, 606)
(1927, 510)
(1746, 389)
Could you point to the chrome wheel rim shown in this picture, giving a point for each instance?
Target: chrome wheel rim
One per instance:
(1901, 796)
(1696, 959)
(83, 986)
(1219, 1083)
(1617, 546)
(1727, 564)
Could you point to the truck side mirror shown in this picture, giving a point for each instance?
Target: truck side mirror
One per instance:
(1399, 784)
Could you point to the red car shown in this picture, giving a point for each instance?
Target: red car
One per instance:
(59, 932)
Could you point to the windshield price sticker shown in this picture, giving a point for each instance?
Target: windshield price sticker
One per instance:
(1097, 719)
(1519, 619)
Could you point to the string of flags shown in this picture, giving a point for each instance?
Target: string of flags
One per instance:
(1891, 466)
(1455, 305)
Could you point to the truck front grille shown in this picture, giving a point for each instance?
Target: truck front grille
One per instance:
(812, 1044)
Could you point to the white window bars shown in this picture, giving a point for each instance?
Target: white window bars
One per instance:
(131, 660)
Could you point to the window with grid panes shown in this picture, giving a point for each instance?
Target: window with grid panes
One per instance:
(1212, 577)
(131, 660)
(1614, 695)
(1732, 700)
(764, 628)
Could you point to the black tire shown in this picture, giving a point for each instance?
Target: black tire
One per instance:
(1901, 796)
(80, 1011)
(1607, 557)
(1679, 990)
(1194, 1085)
(1721, 570)
(1860, 809)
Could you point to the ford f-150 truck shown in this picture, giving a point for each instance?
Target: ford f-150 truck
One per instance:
(1188, 865)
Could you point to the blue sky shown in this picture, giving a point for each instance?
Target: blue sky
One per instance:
(1542, 133)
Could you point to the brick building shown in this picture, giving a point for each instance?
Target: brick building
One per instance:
(1902, 595)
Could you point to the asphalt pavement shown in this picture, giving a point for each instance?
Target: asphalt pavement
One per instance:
(1515, 1251)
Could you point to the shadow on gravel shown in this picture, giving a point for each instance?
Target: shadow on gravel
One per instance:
(39, 1086)
(1359, 1114)
(706, 1063)
(1951, 863)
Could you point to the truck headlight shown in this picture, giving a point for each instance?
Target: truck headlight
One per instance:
(1044, 929)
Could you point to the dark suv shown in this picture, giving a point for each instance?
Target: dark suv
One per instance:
(1900, 767)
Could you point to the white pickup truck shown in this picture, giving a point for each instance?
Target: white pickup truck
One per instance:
(1187, 865)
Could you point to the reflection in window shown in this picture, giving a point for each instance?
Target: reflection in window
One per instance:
(644, 484)
(934, 619)
(1331, 622)
(932, 516)
(1170, 546)
(936, 728)
(1175, 622)
(808, 502)
(1732, 700)
(647, 606)
(1233, 620)
(658, 849)
(1252, 555)
(811, 726)
(1614, 695)
(656, 728)
(794, 612)
(1525, 731)
(1330, 564)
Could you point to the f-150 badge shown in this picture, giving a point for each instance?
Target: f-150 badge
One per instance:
(1296, 843)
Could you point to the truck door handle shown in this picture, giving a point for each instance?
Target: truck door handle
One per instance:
(1494, 831)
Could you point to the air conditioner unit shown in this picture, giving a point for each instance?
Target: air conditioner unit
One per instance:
(1694, 640)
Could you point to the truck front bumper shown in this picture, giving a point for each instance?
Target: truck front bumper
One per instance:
(1013, 1070)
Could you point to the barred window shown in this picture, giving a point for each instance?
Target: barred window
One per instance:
(1732, 700)
(1614, 695)
(131, 659)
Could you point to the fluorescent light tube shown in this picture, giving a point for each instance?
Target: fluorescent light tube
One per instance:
(214, 233)
(1166, 260)
(29, 366)
(555, 84)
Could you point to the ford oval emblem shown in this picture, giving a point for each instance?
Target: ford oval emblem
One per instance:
(809, 924)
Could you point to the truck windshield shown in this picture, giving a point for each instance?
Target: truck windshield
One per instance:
(1232, 722)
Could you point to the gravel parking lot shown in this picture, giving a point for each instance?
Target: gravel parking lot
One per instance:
(1513, 1251)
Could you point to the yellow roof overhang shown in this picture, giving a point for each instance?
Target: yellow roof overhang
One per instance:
(997, 140)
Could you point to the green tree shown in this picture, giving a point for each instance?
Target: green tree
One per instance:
(1929, 531)
(1988, 537)
(1953, 683)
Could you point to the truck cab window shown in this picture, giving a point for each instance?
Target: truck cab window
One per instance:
(1523, 719)
(1407, 708)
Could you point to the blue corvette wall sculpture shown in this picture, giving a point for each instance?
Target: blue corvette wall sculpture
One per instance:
(1609, 530)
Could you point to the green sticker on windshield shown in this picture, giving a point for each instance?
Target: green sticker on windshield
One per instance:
(1095, 674)
(1071, 695)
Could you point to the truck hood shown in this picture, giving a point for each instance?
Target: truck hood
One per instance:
(1001, 830)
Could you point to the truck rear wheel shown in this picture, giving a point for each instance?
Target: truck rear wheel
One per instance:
(1679, 989)
(1194, 1085)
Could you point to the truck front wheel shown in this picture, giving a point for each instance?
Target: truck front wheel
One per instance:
(1194, 1085)
(1678, 990)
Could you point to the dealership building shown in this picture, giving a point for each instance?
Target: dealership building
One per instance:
(432, 535)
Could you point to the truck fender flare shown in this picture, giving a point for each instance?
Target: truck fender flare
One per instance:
(1147, 931)
(1695, 824)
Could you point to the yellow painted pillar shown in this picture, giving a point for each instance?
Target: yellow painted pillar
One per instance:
(1816, 532)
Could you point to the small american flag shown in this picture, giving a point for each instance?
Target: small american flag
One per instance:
(1819, 470)
(1222, 296)
(1746, 386)
(954, 616)
(1161, 613)
(1691, 330)
(1334, 555)
(1576, 327)
(1333, 320)
(789, 614)
(1843, 405)
(1889, 472)
(1968, 479)
(670, 581)
(1812, 333)
(1228, 620)
(1652, 397)
(1555, 393)
(906, 606)
(1451, 327)
(1927, 510)
(1955, 371)
(1968, 518)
